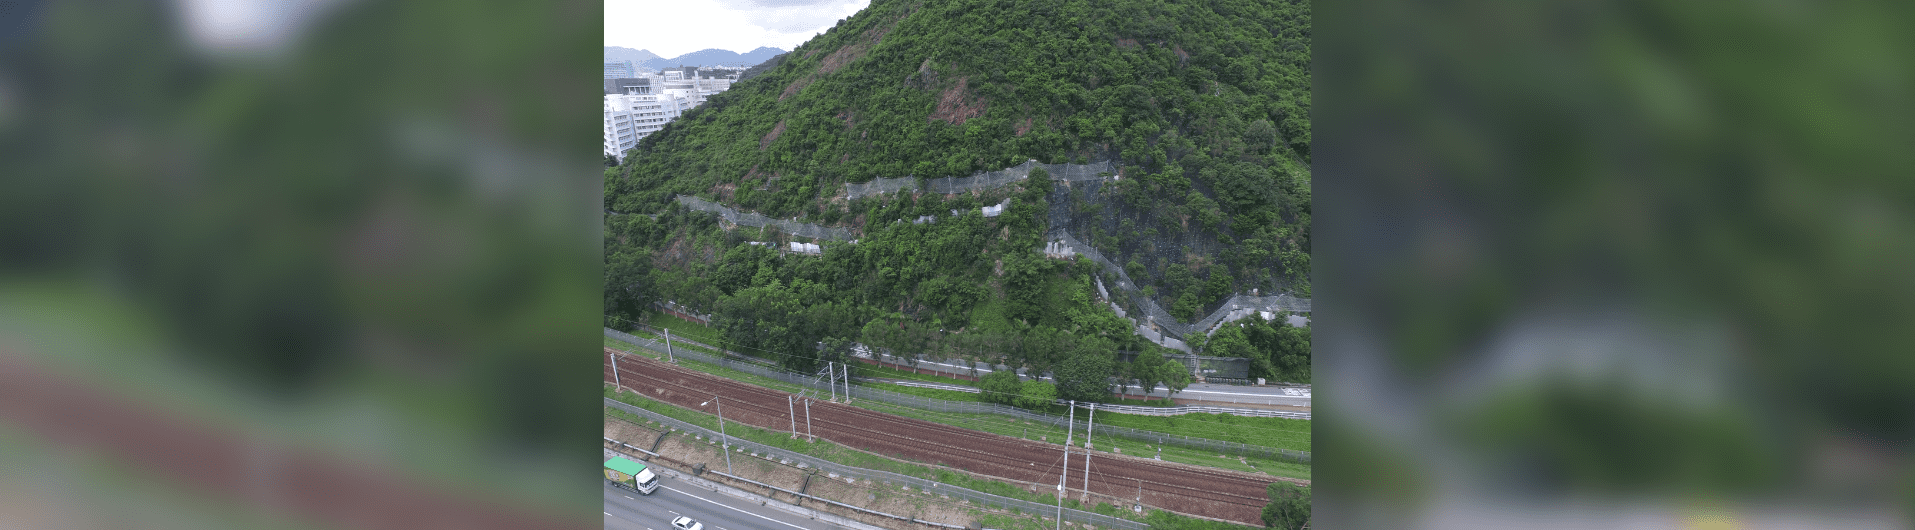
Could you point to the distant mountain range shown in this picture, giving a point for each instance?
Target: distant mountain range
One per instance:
(620, 53)
(706, 57)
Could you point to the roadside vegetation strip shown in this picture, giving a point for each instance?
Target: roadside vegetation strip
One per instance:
(862, 369)
(1255, 429)
(1046, 432)
(996, 424)
(1284, 423)
(853, 462)
(1259, 431)
(1199, 491)
(680, 469)
(860, 463)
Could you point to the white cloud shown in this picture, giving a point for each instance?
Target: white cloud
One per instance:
(749, 5)
(234, 28)
(806, 20)
(675, 28)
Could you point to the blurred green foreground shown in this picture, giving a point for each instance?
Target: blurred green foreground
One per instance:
(315, 265)
(1615, 264)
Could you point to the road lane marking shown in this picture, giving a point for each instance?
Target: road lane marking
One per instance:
(734, 509)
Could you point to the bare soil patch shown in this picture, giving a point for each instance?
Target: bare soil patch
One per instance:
(956, 104)
(770, 137)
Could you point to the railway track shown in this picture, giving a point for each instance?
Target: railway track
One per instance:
(1192, 490)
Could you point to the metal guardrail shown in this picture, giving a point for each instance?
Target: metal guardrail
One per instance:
(933, 386)
(972, 407)
(1199, 409)
(886, 477)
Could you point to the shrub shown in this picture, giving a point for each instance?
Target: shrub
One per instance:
(1001, 386)
(1036, 394)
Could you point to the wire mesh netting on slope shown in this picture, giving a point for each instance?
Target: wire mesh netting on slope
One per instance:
(980, 181)
(755, 220)
(1237, 306)
(1156, 323)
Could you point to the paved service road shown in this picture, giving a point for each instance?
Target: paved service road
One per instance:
(1221, 395)
(628, 510)
(1213, 394)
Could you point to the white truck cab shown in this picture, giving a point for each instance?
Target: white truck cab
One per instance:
(647, 480)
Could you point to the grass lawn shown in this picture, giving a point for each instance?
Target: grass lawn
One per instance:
(947, 395)
(687, 329)
(993, 423)
(867, 370)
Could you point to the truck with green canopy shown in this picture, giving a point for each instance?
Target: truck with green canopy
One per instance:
(631, 475)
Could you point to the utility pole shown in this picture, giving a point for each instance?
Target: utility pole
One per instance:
(847, 383)
(668, 347)
(814, 438)
(1061, 477)
(721, 431)
(1087, 429)
(791, 411)
(615, 384)
(833, 370)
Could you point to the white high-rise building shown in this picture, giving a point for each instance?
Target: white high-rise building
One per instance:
(636, 112)
(636, 107)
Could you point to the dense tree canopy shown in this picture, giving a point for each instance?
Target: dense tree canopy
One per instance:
(1203, 107)
(1276, 350)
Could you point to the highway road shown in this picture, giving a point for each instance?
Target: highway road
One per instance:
(628, 510)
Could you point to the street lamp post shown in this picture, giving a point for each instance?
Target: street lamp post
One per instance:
(721, 431)
(1065, 476)
(615, 384)
(1087, 429)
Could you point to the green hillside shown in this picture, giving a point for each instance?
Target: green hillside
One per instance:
(1202, 108)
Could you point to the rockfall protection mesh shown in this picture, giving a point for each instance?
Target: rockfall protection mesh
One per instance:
(1238, 306)
(752, 219)
(1166, 330)
(984, 180)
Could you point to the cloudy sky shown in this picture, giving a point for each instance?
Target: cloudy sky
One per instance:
(671, 28)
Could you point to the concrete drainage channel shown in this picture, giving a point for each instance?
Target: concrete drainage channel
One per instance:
(780, 455)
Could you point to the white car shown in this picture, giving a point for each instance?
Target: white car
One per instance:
(686, 523)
